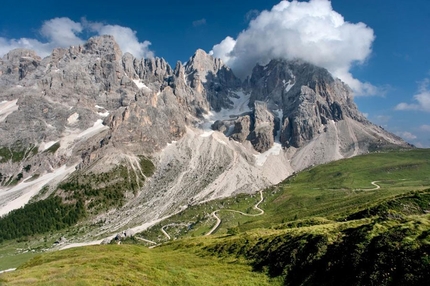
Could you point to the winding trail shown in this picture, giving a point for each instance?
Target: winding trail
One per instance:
(377, 187)
(172, 224)
(214, 214)
(7, 270)
(145, 240)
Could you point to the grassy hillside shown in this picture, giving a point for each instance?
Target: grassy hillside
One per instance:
(332, 192)
(133, 265)
(328, 225)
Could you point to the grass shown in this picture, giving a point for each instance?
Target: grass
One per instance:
(133, 265)
(17, 152)
(333, 191)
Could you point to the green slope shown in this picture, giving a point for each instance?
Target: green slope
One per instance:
(324, 226)
(332, 192)
(133, 265)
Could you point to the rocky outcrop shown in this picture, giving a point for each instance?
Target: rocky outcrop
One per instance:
(262, 136)
(17, 64)
(210, 77)
(242, 129)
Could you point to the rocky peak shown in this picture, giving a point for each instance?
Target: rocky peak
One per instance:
(18, 63)
(209, 76)
(153, 69)
(308, 96)
(202, 64)
(103, 45)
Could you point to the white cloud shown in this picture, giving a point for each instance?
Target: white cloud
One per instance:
(311, 31)
(223, 49)
(425, 128)
(422, 99)
(64, 32)
(126, 39)
(406, 135)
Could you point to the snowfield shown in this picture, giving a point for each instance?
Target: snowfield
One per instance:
(7, 108)
(19, 195)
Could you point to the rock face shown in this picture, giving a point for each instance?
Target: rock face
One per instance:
(262, 136)
(90, 109)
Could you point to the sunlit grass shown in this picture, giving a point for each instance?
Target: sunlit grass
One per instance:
(133, 265)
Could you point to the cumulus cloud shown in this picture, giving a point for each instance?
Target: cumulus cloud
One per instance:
(223, 50)
(125, 37)
(64, 32)
(59, 32)
(406, 135)
(425, 128)
(311, 31)
(421, 99)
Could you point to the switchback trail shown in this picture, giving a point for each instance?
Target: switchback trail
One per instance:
(214, 213)
(377, 187)
(172, 224)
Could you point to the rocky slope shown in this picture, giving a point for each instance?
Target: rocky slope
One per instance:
(91, 112)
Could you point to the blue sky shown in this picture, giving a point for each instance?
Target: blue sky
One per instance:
(393, 63)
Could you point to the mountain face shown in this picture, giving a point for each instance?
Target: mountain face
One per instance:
(138, 140)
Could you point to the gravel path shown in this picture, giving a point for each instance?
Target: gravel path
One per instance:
(214, 214)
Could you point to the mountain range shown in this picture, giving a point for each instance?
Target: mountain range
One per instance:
(135, 140)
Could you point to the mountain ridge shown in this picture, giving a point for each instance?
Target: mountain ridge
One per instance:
(207, 134)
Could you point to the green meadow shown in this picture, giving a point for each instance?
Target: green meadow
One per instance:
(327, 225)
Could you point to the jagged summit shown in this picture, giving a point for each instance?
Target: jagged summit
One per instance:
(90, 110)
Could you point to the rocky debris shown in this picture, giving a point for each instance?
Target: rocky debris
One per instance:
(106, 241)
(124, 235)
(61, 240)
(242, 129)
(221, 126)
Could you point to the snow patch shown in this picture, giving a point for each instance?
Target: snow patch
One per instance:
(73, 118)
(288, 85)
(207, 133)
(140, 84)
(102, 114)
(240, 106)
(7, 108)
(97, 127)
(71, 135)
(260, 159)
(276, 149)
(171, 143)
(44, 146)
(19, 195)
